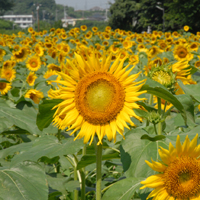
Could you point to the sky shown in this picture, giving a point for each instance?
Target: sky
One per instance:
(85, 4)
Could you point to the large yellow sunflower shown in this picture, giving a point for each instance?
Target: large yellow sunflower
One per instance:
(98, 97)
(179, 172)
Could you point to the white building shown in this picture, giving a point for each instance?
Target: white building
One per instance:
(70, 21)
(22, 21)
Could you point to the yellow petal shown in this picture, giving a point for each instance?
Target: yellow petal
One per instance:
(178, 146)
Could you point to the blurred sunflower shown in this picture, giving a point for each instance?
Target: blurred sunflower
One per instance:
(2, 53)
(35, 95)
(20, 55)
(83, 27)
(8, 73)
(186, 28)
(179, 172)
(181, 52)
(39, 50)
(4, 88)
(98, 98)
(31, 78)
(33, 63)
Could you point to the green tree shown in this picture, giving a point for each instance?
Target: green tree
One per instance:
(5, 5)
(182, 12)
(135, 15)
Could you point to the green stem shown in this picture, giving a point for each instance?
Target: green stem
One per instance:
(150, 103)
(59, 134)
(159, 111)
(98, 167)
(83, 177)
(75, 179)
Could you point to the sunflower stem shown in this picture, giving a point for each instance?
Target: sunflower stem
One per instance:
(83, 176)
(160, 112)
(75, 179)
(150, 103)
(98, 168)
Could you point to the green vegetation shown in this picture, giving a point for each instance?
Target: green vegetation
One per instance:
(137, 15)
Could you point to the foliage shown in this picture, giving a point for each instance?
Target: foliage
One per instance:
(138, 15)
(6, 5)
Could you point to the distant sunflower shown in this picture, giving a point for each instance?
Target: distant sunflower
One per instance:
(31, 78)
(4, 88)
(8, 73)
(98, 97)
(39, 50)
(181, 52)
(83, 27)
(186, 28)
(33, 63)
(20, 55)
(2, 53)
(35, 95)
(179, 172)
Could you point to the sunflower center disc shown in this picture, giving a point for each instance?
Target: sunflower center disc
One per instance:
(182, 178)
(99, 97)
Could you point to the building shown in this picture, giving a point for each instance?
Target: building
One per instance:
(96, 8)
(70, 21)
(22, 21)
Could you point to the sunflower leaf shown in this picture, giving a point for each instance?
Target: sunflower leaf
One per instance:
(155, 88)
(45, 115)
(123, 189)
(157, 137)
(19, 183)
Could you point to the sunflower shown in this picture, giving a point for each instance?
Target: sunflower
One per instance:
(2, 53)
(197, 64)
(94, 29)
(35, 95)
(97, 99)
(31, 78)
(54, 67)
(33, 63)
(186, 28)
(83, 27)
(8, 73)
(39, 50)
(181, 52)
(20, 55)
(4, 88)
(179, 172)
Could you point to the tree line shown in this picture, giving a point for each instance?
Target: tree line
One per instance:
(167, 15)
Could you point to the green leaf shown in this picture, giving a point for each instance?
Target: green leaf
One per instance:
(89, 159)
(123, 189)
(159, 90)
(4, 80)
(24, 119)
(192, 90)
(45, 115)
(134, 152)
(158, 137)
(48, 146)
(188, 104)
(22, 182)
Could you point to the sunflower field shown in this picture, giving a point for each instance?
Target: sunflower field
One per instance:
(88, 114)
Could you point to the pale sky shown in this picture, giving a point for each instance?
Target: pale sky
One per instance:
(85, 4)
